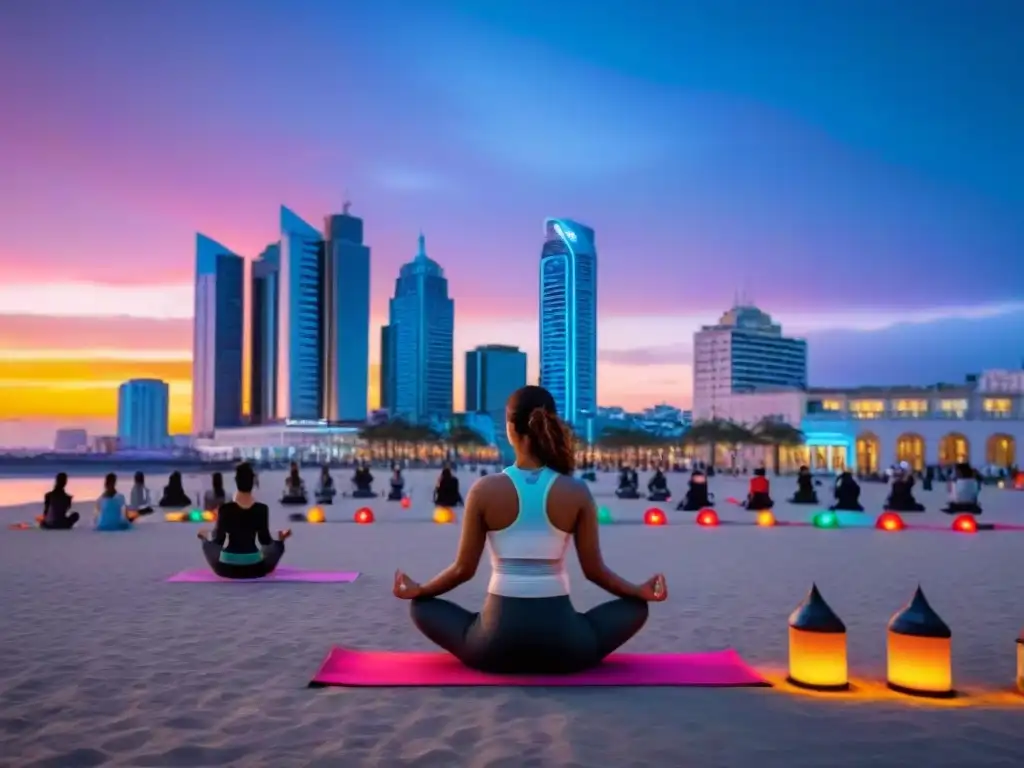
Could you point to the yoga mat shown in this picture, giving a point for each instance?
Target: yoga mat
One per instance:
(391, 669)
(206, 576)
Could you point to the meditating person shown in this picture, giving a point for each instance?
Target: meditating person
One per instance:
(964, 492)
(174, 496)
(446, 492)
(805, 493)
(139, 500)
(847, 494)
(629, 485)
(294, 487)
(232, 551)
(397, 491)
(325, 490)
(657, 487)
(527, 516)
(216, 496)
(697, 496)
(57, 514)
(111, 509)
(758, 494)
(901, 495)
(362, 483)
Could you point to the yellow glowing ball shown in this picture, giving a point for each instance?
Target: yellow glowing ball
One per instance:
(315, 515)
(765, 519)
(443, 515)
(175, 517)
(209, 517)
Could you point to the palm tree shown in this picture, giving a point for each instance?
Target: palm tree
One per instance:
(461, 436)
(715, 432)
(777, 434)
(633, 442)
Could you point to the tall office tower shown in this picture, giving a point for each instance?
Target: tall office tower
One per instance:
(346, 318)
(299, 321)
(493, 372)
(263, 335)
(142, 411)
(743, 352)
(387, 367)
(568, 319)
(423, 322)
(218, 338)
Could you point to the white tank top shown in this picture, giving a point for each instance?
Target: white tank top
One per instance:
(528, 557)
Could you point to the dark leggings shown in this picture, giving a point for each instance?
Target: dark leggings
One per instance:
(516, 635)
(62, 523)
(271, 557)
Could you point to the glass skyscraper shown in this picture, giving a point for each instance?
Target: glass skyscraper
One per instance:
(263, 335)
(422, 325)
(218, 336)
(300, 341)
(568, 318)
(493, 372)
(346, 318)
(387, 367)
(142, 411)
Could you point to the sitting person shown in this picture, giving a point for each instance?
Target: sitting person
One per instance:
(294, 487)
(964, 491)
(57, 514)
(325, 490)
(928, 479)
(139, 500)
(657, 487)
(847, 494)
(111, 509)
(805, 493)
(232, 552)
(901, 495)
(629, 484)
(758, 495)
(362, 483)
(397, 492)
(216, 496)
(697, 496)
(527, 517)
(174, 496)
(447, 493)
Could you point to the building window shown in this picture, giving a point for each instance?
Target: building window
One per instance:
(997, 407)
(913, 409)
(831, 405)
(867, 409)
(953, 409)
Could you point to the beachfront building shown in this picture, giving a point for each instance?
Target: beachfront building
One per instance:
(218, 335)
(745, 351)
(346, 318)
(142, 414)
(313, 440)
(263, 335)
(71, 440)
(568, 319)
(421, 327)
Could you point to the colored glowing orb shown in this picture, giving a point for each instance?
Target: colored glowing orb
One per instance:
(965, 524)
(889, 521)
(406, 502)
(364, 516)
(443, 515)
(707, 518)
(195, 516)
(826, 519)
(765, 519)
(604, 515)
(654, 516)
(315, 515)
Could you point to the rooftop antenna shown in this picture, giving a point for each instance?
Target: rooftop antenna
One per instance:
(347, 204)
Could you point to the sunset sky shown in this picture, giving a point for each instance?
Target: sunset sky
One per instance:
(855, 167)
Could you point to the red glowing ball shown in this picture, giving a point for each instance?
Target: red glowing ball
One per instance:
(406, 503)
(364, 516)
(890, 521)
(654, 516)
(965, 524)
(707, 518)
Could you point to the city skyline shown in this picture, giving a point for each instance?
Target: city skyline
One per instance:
(899, 202)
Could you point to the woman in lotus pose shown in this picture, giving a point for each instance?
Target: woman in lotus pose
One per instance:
(57, 514)
(216, 496)
(174, 494)
(294, 487)
(111, 509)
(447, 493)
(528, 515)
(139, 500)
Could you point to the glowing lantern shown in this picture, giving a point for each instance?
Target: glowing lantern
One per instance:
(315, 515)
(654, 516)
(1020, 662)
(889, 521)
(175, 517)
(364, 516)
(604, 515)
(209, 516)
(965, 524)
(827, 519)
(765, 519)
(707, 518)
(817, 646)
(920, 651)
(443, 515)
(406, 503)
(195, 516)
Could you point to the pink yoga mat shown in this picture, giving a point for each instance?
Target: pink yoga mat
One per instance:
(206, 576)
(390, 669)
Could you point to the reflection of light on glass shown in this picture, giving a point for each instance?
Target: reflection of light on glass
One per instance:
(571, 235)
(566, 234)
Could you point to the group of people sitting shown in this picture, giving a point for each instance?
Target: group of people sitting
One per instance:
(112, 511)
(629, 485)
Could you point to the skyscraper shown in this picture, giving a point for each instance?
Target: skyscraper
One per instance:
(218, 335)
(263, 335)
(142, 410)
(568, 318)
(422, 321)
(493, 372)
(299, 320)
(346, 318)
(387, 367)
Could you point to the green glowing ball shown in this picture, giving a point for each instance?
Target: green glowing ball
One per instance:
(604, 515)
(195, 516)
(826, 520)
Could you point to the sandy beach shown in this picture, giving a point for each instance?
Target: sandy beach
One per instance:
(104, 663)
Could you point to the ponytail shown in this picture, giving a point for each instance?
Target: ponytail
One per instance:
(550, 441)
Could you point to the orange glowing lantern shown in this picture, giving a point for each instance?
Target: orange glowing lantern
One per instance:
(889, 521)
(1020, 662)
(965, 524)
(315, 515)
(406, 503)
(443, 515)
(707, 518)
(209, 516)
(654, 516)
(817, 646)
(920, 651)
(364, 516)
(765, 519)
